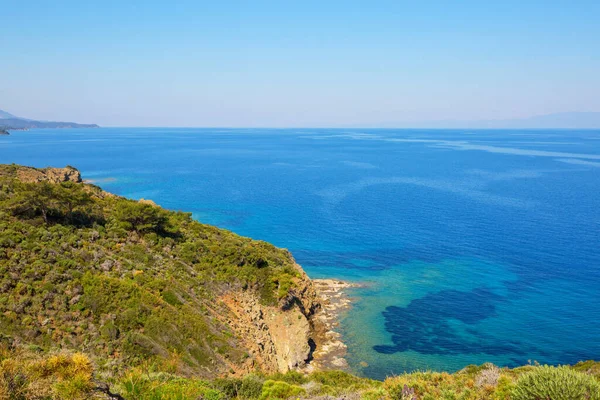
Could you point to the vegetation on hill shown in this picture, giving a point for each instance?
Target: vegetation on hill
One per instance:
(126, 281)
(30, 374)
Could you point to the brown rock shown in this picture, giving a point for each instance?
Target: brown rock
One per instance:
(52, 175)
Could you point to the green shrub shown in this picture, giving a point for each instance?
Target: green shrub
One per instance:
(277, 390)
(291, 377)
(589, 367)
(182, 389)
(143, 385)
(430, 385)
(109, 331)
(556, 383)
(228, 386)
(251, 387)
(339, 378)
(171, 298)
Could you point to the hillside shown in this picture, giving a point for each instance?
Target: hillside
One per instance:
(5, 115)
(9, 121)
(132, 283)
(28, 375)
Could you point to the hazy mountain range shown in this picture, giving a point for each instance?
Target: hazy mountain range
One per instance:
(9, 121)
(565, 120)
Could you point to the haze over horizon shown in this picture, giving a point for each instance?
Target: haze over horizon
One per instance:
(339, 64)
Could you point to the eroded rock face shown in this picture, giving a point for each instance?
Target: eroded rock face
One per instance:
(290, 332)
(279, 338)
(52, 175)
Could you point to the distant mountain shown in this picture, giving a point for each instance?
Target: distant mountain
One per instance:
(4, 114)
(565, 120)
(575, 120)
(9, 121)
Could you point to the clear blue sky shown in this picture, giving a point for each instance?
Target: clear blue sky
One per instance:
(297, 63)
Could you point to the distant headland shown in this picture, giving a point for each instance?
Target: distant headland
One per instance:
(11, 122)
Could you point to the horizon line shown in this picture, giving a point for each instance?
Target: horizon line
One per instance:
(312, 127)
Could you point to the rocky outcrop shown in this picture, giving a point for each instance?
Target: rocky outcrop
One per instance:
(298, 334)
(278, 338)
(52, 175)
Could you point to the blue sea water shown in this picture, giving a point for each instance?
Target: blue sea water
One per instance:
(472, 245)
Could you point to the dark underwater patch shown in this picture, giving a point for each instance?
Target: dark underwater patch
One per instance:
(424, 325)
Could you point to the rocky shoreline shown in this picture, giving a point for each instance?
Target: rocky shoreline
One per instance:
(331, 350)
(300, 333)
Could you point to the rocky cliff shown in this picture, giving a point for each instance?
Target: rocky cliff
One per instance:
(279, 338)
(49, 174)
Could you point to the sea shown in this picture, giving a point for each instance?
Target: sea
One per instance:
(470, 246)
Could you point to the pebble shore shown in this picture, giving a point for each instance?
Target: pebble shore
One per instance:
(331, 352)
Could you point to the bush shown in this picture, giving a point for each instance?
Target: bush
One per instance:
(589, 367)
(228, 386)
(171, 298)
(251, 387)
(276, 390)
(61, 376)
(488, 376)
(556, 383)
(291, 377)
(430, 385)
(140, 384)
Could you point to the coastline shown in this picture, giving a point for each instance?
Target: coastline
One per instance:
(331, 351)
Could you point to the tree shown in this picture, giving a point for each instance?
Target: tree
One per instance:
(62, 201)
(71, 197)
(33, 199)
(141, 217)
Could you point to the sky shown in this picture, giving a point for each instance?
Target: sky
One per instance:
(297, 63)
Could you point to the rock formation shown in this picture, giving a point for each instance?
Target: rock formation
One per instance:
(52, 175)
(278, 338)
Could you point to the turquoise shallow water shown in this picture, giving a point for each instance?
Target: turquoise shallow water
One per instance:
(472, 246)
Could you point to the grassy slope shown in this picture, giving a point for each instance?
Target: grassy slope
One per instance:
(25, 374)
